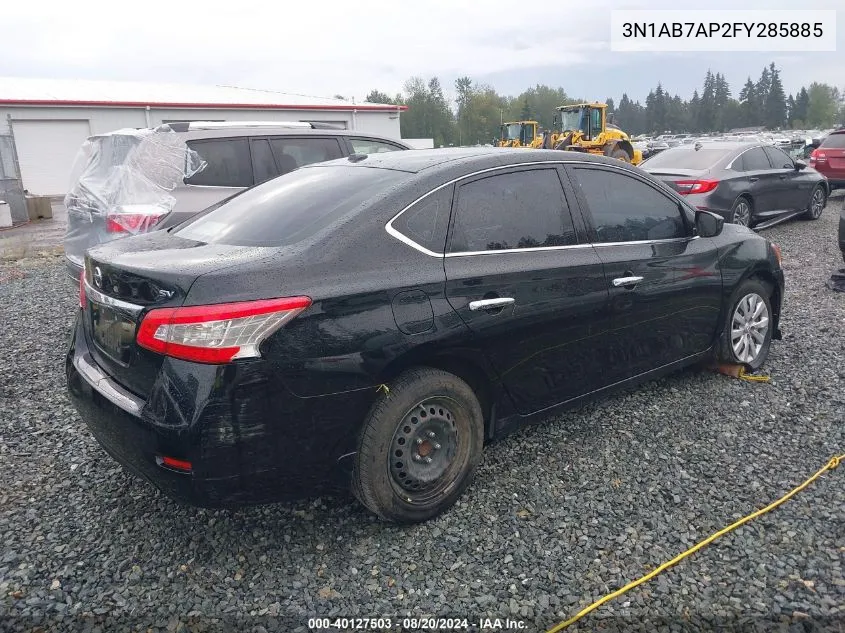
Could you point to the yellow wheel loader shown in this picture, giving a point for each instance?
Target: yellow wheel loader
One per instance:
(520, 134)
(583, 128)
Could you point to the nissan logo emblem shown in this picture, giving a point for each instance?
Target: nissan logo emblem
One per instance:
(98, 277)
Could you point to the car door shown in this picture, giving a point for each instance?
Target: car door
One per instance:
(664, 283)
(522, 278)
(793, 190)
(764, 181)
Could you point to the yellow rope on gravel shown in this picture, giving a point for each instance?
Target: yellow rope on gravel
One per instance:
(833, 463)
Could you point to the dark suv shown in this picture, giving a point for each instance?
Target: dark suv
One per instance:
(136, 180)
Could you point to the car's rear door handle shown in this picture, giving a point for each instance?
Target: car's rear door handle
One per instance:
(486, 304)
(783, 176)
(753, 179)
(626, 281)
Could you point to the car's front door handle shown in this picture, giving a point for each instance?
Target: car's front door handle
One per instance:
(753, 179)
(626, 281)
(486, 304)
(783, 176)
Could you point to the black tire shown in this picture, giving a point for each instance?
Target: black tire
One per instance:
(742, 212)
(620, 154)
(727, 352)
(817, 201)
(390, 476)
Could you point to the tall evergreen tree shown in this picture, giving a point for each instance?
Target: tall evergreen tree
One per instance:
(525, 114)
(775, 107)
(802, 107)
(707, 108)
(748, 102)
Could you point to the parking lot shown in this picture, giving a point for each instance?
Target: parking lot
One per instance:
(559, 515)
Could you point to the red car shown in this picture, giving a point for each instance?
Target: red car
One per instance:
(829, 159)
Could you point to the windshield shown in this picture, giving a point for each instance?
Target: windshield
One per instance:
(571, 120)
(292, 207)
(683, 158)
(511, 131)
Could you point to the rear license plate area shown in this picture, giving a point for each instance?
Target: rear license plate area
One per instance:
(114, 332)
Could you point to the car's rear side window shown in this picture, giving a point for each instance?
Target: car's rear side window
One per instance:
(426, 222)
(834, 141)
(292, 153)
(522, 209)
(228, 163)
(292, 207)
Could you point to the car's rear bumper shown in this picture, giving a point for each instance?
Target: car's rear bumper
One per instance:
(73, 269)
(242, 446)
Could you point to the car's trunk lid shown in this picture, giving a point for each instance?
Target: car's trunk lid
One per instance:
(125, 279)
(672, 175)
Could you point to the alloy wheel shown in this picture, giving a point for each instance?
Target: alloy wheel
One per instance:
(817, 203)
(742, 213)
(749, 327)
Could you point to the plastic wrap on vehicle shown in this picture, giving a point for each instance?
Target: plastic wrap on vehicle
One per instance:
(121, 184)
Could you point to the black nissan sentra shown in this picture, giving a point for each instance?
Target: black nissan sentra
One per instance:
(375, 320)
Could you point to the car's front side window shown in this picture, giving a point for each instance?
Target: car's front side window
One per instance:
(522, 209)
(779, 159)
(624, 209)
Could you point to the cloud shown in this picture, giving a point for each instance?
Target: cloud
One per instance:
(348, 48)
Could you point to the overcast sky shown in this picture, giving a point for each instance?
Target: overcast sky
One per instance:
(330, 47)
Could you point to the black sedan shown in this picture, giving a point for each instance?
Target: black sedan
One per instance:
(379, 318)
(751, 184)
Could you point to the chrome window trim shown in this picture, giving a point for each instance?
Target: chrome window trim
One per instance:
(392, 231)
(747, 149)
(98, 297)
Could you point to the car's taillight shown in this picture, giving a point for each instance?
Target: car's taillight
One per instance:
(132, 222)
(82, 288)
(695, 186)
(818, 155)
(216, 333)
(777, 253)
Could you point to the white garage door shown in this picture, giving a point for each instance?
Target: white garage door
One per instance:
(46, 151)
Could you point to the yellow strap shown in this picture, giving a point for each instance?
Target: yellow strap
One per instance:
(743, 376)
(833, 463)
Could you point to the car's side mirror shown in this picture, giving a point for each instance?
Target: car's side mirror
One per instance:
(708, 224)
(799, 165)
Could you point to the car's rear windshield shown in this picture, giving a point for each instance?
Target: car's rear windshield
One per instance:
(836, 141)
(687, 158)
(291, 208)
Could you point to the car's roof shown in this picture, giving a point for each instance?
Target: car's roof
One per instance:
(738, 146)
(415, 161)
(251, 129)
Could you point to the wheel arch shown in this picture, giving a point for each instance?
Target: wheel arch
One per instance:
(467, 365)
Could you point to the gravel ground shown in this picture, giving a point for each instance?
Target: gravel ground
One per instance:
(561, 513)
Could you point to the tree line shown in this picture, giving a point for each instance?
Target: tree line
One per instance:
(478, 110)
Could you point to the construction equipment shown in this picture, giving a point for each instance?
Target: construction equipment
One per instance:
(583, 128)
(520, 134)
